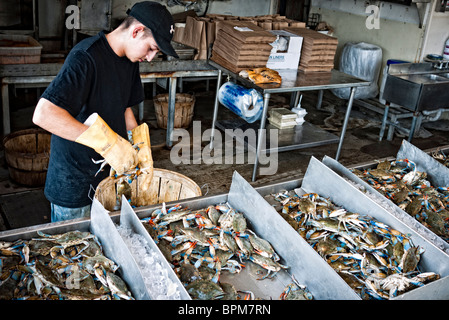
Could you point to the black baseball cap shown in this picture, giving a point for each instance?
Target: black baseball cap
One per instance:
(158, 19)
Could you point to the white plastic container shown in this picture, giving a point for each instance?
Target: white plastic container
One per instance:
(300, 112)
(364, 61)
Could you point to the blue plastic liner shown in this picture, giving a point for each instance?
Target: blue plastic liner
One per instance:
(246, 103)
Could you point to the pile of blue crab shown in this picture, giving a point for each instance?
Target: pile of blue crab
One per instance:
(201, 244)
(68, 266)
(410, 190)
(377, 261)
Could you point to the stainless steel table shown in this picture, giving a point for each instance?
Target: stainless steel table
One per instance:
(40, 75)
(173, 70)
(293, 81)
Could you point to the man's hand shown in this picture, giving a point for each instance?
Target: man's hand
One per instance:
(118, 152)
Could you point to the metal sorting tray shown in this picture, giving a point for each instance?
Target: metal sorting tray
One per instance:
(437, 173)
(322, 180)
(129, 219)
(116, 249)
(101, 226)
(304, 263)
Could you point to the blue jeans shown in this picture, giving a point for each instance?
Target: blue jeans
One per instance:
(59, 213)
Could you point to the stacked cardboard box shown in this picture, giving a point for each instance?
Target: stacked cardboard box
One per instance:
(241, 45)
(200, 32)
(318, 50)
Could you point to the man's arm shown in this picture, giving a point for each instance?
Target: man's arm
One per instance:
(130, 119)
(56, 120)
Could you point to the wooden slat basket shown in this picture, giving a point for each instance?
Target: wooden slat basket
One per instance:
(27, 153)
(184, 106)
(165, 186)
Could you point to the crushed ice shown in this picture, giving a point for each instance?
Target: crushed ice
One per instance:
(157, 282)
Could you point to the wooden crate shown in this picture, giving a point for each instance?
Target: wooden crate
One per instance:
(19, 49)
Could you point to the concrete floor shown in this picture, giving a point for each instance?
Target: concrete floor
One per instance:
(360, 145)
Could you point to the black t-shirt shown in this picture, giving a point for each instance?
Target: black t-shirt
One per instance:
(92, 79)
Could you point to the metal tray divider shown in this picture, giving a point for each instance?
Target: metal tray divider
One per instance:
(389, 205)
(307, 266)
(343, 193)
(437, 172)
(26, 233)
(129, 219)
(115, 249)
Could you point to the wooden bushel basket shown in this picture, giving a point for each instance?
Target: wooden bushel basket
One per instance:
(184, 106)
(27, 153)
(165, 186)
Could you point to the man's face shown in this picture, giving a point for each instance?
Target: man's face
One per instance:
(142, 46)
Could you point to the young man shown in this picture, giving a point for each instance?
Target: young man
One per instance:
(99, 77)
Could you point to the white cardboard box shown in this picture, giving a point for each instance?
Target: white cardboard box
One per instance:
(288, 59)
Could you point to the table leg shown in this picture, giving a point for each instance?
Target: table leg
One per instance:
(214, 118)
(384, 121)
(391, 128)
(260, 134)
(345, 123)
(171, 111)
(294, 98)
(320, 99)
(5, 104)
(141, 108)
(413, 127)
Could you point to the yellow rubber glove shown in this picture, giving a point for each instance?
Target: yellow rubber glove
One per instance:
(118, 152)
(141, 139)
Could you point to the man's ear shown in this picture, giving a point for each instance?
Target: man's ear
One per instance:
(137, 30)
